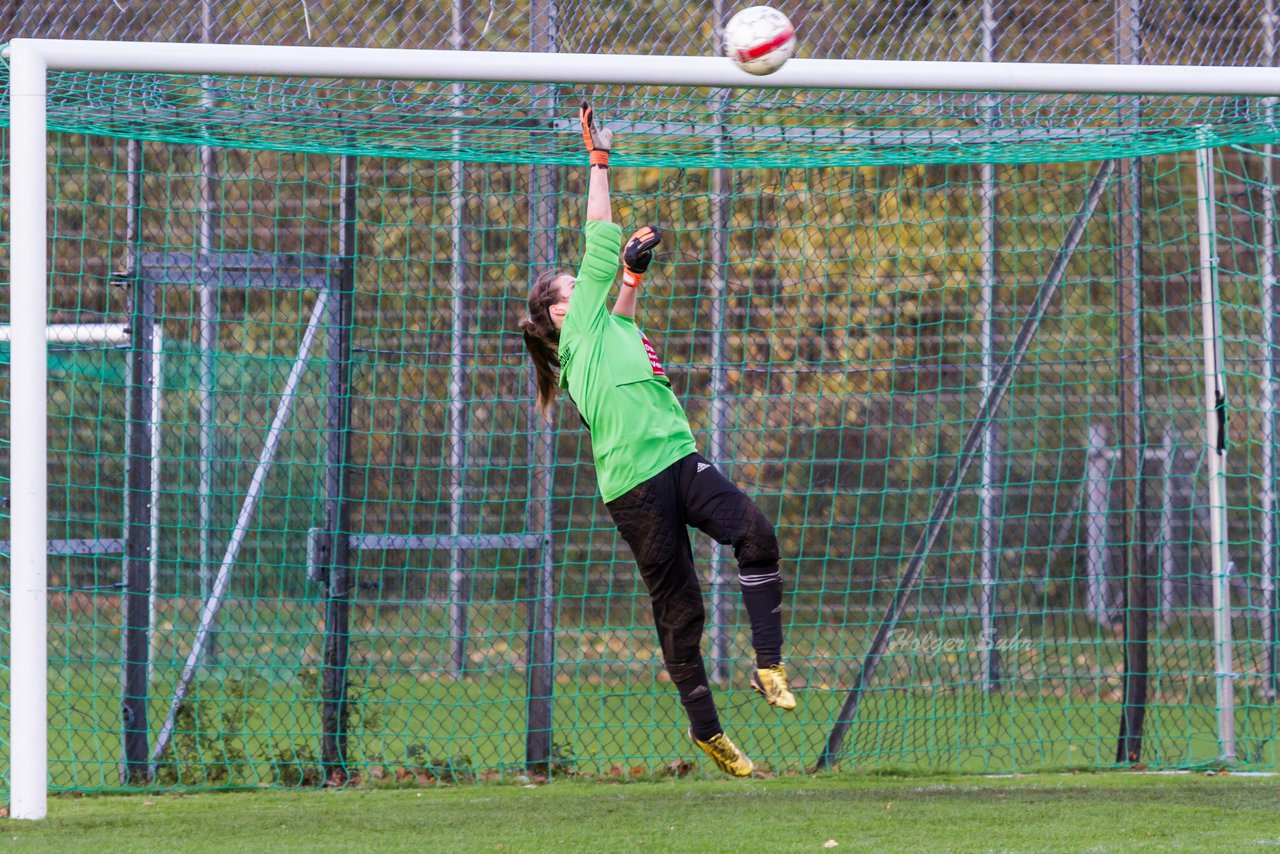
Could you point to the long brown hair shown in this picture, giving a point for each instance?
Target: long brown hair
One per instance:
(542, 339)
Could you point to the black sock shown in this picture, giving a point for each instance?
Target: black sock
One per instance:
(764, 610)
(699, 704)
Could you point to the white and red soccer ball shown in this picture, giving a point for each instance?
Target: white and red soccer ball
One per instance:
(759, 39)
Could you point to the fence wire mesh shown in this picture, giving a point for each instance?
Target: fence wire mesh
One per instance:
(1178, 32)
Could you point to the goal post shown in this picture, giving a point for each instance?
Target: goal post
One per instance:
(752, 140)
(28, 472)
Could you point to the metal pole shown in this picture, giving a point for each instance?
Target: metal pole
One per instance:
(721, 188)
(968, 450)
(113, 334)
(1215, 399)
(135, 618)
(154, 423)
(206, 246)
(337, 613)
(543, 217)
(1270, 557)
(1168, 561)
(459, 577)
(1131, 439)
(989, 512)
(29, 453)
(1097, 510)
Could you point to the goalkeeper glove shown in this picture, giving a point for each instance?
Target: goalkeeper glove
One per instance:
(597, 142)
(638, 253)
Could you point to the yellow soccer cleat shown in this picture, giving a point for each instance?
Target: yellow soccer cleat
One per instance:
(772, 682)
(725, 754)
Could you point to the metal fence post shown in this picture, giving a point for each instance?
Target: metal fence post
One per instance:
(1215, 400)
(136, 632)
(544, 217)
(207, 246)
(459, 575)
(1270, 427)
(989, 494)
(337, 612)
(721, 186)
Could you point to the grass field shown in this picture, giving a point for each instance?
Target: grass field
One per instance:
(259, 707)
(479, 726)
(1052, 812)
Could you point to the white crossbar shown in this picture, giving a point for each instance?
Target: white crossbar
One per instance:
(703, 71)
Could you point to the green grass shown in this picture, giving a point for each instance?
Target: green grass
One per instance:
(1059, 812)
(479, 724)
(256, 707)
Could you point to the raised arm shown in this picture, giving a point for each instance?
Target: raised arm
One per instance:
(636, 256)
(596, 273)
(599, 267)
(598, 143)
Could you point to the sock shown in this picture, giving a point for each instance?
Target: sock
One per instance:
(764, 610)
(699, 704)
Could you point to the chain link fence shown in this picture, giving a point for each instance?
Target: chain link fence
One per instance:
(1182, 32)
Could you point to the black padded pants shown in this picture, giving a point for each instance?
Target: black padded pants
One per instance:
(654, 520)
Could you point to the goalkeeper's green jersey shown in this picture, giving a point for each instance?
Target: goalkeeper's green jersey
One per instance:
(614, 377)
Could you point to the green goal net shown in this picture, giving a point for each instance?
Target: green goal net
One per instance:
(306, 524)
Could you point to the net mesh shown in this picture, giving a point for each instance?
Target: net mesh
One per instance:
(834, 355)
(665, 126)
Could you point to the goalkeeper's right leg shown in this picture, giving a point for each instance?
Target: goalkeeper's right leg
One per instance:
(716, 506)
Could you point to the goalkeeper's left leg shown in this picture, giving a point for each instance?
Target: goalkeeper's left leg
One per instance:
(717, 507)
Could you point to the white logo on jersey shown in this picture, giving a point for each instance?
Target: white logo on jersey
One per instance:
(653, 357)
(702, 467)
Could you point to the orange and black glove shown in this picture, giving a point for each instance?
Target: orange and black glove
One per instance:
(637, 254)
(597, 142)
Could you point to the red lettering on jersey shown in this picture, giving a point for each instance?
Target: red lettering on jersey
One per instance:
(653, 357)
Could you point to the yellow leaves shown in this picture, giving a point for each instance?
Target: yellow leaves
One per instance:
(958, 277)
(905, 348)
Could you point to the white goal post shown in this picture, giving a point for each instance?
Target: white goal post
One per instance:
(30, 60)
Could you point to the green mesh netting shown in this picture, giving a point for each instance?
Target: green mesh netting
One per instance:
(827, 305)
(667, 126)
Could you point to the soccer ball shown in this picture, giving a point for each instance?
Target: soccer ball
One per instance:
(759, 39)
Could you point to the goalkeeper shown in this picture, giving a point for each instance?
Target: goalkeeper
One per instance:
(654, 482)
